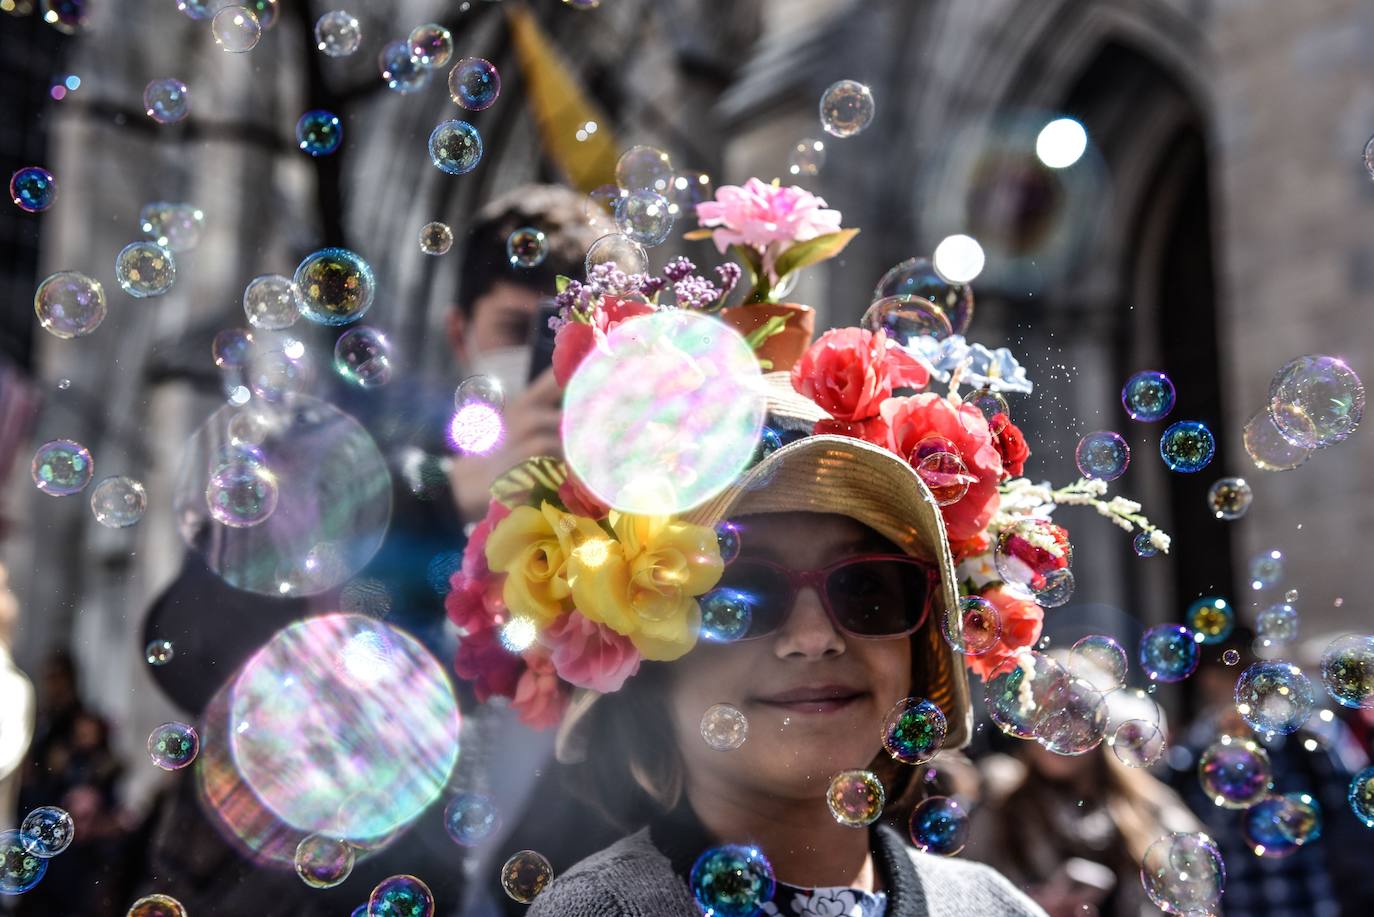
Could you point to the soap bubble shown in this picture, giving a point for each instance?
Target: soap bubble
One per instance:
(1230, 657)
(1099, 660)
(1211, 619)
(172, 746)
(118, 502)
(1347, 668)
(145, 269)
(846, 108)
(436, 238)
(236, 29)
(33, 189)
(365, 597)
(527, 247)
(724, 727)
(856, 798)
(1316, 401)
(362, 355)
(401, 896)
(1075, 720)
(1169, 652)
(271, 302)
(643, 168)
(914, 730)
(471, 818)
(242, 492)
(474, 83)
(626, 254)
(47, 831)
(335, 286)
(339, 708)
(1274, 697)
(231, 347)
(1266, 569)
(1029, 550)
(1187, 446)
(156, 906)
(992, 406)
(1018, 699)
(1361, 796)
(338, 33)
(1137, 743)
(958, 259)
(69, 304)
(1229, 498)
(455, 147)
(807, 157)
(319, 132)
(1299, 818)
(1277, 624)
(67, 16)
(1235, 773)
(1184, 874)
(1267, 447)
(62, 467)
(1148, 396)
(277, 369)
(643, 216)
(400, 70)
(728, 541)
(939, 825)
(918, 277)
(159, 652)
(683, 432)
(431, 45)
(525, 875)
(1143, 545)
(598, 208)
(20, 868)
(972, 626)
(1102, 455)
(725, 615)
(903, 318)
(266, 11)
(1275, 827)
(166, 101)
(176, 227)
(479, 389)
(946, 476)
(733, 880)
(323, 862)
(1057, 590)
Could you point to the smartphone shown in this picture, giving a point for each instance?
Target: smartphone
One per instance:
(541, 338)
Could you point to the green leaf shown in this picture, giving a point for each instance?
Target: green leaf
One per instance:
(765, 331)
(753, 270)
(813, 251)
(561, 283)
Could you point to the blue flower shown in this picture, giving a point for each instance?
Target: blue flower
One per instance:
(995, 369)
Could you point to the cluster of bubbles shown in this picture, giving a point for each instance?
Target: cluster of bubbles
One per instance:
(846, 108)
(1184, 874)
(724, 727)
(33, 189)
(319, 132)
(172, 746)
(939, 825)
(167, 100)
(732, 881)
(471, 818)
(525, 875)
(856, 798)
(914, 730)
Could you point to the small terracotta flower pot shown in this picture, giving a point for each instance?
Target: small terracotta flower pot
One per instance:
(787, 346)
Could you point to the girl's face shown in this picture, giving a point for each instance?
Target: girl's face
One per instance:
(815, 699)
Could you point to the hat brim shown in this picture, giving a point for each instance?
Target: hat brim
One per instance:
(867, 483)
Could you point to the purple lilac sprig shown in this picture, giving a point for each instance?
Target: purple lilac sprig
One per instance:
(576, 299)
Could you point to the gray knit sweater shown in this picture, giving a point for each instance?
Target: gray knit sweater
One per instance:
(633, 878)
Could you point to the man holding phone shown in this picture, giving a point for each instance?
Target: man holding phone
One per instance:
(499, 327)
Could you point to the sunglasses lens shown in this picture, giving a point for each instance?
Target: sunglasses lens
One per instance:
(759, 598)
(878, 598)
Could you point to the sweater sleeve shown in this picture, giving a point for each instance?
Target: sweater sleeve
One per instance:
(580, 894)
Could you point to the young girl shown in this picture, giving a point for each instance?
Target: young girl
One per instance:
(844, 560)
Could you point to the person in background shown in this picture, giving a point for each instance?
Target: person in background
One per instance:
(17, 714)
(1072, 829)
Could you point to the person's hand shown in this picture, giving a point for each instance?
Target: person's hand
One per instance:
(531, 421)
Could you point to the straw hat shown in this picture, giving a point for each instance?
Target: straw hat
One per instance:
(848, 477)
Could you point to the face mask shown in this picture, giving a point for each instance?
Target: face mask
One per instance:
(508, 365)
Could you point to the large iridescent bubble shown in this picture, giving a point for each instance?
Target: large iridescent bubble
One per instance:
(732, 881)
(1316, 401)
(1018, 699)
(333, 500)
(1169, 652)
(1274, 697)
(1348, 670)
(1235, 773)
(344, 725)
(1184, 874)
(917, 277)
(686, 428)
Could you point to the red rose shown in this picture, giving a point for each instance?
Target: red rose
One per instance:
(575, 339)
(970, 547)
(915, 417)
(493, 670)
(849, 372)
(1011, 445)
(1022, 621)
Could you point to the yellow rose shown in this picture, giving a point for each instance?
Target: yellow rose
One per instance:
(527, 547)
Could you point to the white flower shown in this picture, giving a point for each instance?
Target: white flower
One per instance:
(1160, 540)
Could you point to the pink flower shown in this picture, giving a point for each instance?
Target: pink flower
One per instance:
(1022, 621)
(913, 418)
(575, 339)
(539, 698)
(850, 371)
(759, 214)
(474, 600)
(591, 655)
(579, 500)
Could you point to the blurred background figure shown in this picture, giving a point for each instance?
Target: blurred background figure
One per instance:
(17, 712)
